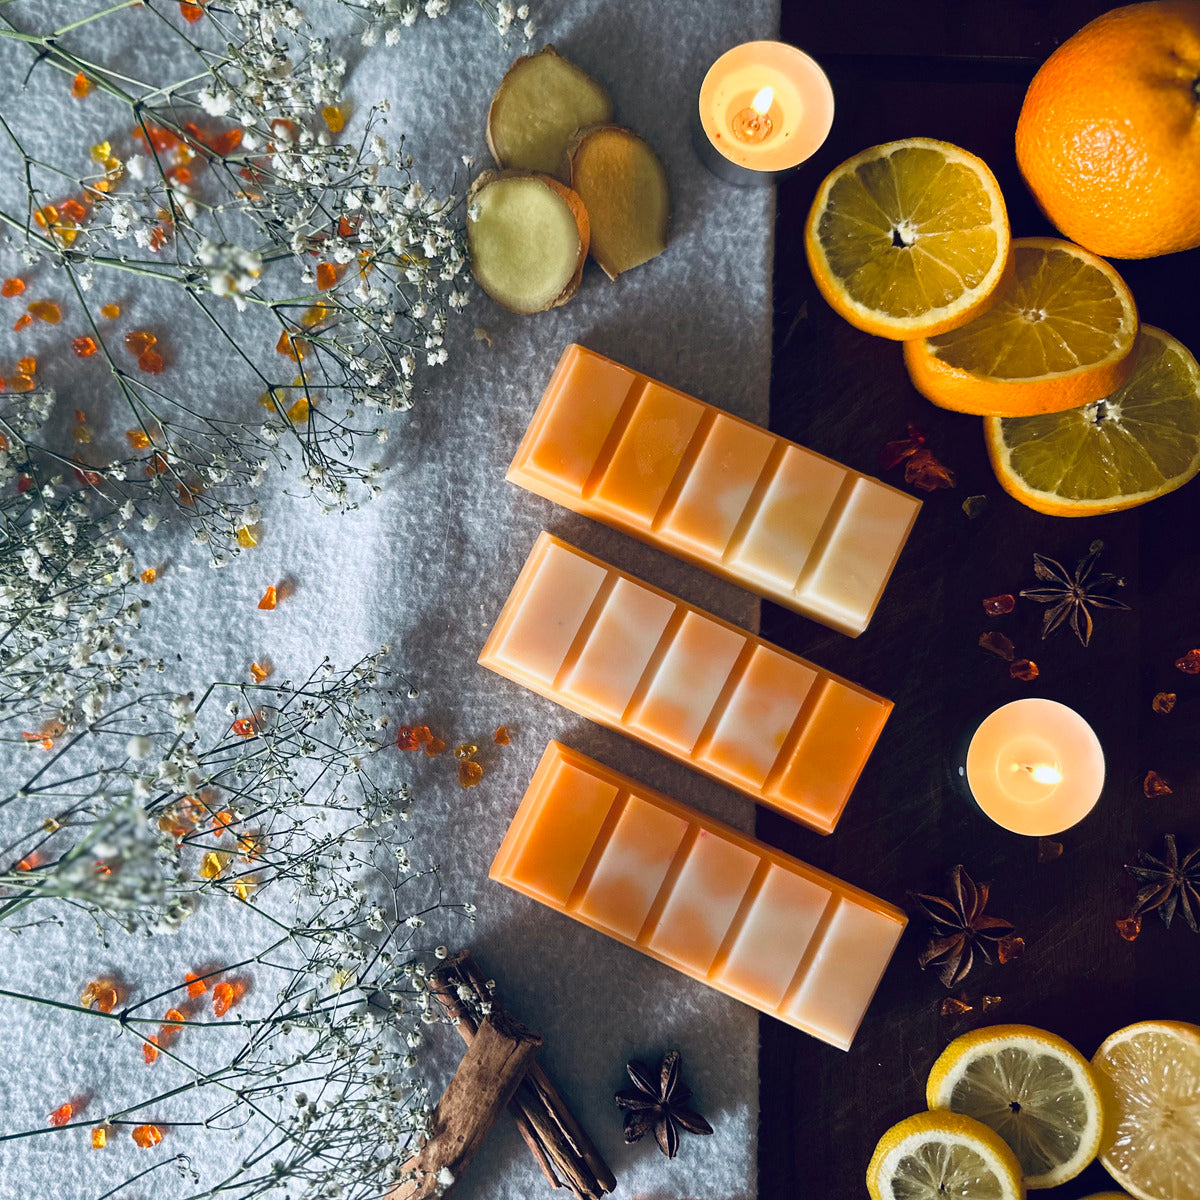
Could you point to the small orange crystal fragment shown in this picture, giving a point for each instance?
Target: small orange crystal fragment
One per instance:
(138, 341)
(317, 313)
(222, 821)
(952, 1006)
(22, 322)
(61, 1115)
(27, 365)
(327, 276)
(291, 347)
(151, 362)
(1129, 927)
(999, 606)
(214, 862)
(250, 844)
(99, 1137)
(434, 747)
(469, 773)
(20, 383)
(500, 737)
(1163, 702)
(990, 1004)
(1010, 948)
(299, 413)
(1189, 663)
(1024, 670)
(243, 727)
(173, 1019)
(195, 985)
(84, 347)
(99, 993)
(406, 738)
(224, 998)
(80, 85)
(259, 671)
(150, 1049)
(12, 287)
(137, 439)
(149, 575)
(146, 1136)
(270, 598)
(1154, 785)
(465, 751)
(334, 118)
(46, 310)
(110, 312)
(73, 210)
(247, 537)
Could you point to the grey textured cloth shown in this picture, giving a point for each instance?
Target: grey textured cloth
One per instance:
(427, 567)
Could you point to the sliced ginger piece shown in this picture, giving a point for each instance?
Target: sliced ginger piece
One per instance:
(541, 103)
(527, 236)
(624, 187)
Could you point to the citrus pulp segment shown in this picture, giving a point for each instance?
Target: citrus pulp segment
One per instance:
(1033, 1089)
(1152, 1073)
(937, 1154)
(909, 238)
(1139, 443)
(1057, 335)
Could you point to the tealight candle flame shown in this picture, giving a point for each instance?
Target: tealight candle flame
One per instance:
(752, 124)
(762, 101)
(1043, 772)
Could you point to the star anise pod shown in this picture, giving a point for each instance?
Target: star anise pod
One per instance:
(961, 928)
(658, 1101)
(1169, 883)
(1073, 595)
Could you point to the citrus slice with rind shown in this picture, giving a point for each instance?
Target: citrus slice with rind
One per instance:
(1151, 1072)
(1058, 334)
(937, 1154)
(1139, 443)
(1033, 1089)
(909, 238)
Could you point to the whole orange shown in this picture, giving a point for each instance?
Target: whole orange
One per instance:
(1109, 135)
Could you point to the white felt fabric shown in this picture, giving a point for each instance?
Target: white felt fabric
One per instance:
(427, 567)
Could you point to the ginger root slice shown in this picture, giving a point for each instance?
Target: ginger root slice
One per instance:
(527, 237)
(623, 185)
(541, 103)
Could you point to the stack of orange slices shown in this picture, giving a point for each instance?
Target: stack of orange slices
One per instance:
(1085, 411)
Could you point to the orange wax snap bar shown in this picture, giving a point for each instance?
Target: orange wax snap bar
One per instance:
(614, 649)
(707, 486)
(716, 904)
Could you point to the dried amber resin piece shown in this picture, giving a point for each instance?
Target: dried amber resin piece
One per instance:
(1189, 663)
(259, 671)
(84, 347)
(61, 1115)
(80, 85)
(270, 598)
(149, 575)
(247, 537)
(1048, 850)
(1164, 702)
(12, 287)
(989, 1004)
(146, 1136)
(195, 985)
(1024, 669)
(151, 362)
(27, 365)
(45, 310)
(434, 747)
(469, 773)
(22, 322)
(213, 863)
(110, 312)
(1154, 785)
(465, 751)
(101, 994)
(334, 118)
(999, 606)
(500, 737)
(150, 1049)
(327, 276)
(998, 644)
(406, 738)
(224, 997)
(99, 1137)
(1130, 927)
(952, 1006)
(138, 341)
(1010, 948)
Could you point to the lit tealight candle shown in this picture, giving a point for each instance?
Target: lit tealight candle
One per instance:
(764, 108)
(1035, 767)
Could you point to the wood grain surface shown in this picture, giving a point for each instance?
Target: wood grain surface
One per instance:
(957, 70)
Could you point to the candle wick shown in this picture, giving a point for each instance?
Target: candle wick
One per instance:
(753, 124)
(1043, 772)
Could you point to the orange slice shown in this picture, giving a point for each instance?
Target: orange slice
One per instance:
(1138, 443)
(1058, 335)
(908, 239)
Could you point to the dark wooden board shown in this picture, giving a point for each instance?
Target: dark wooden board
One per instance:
(958, 71)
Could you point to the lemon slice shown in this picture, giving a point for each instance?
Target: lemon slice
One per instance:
(1058, 334)
(909, 238)
(1133, 446)
(1152, 1073)
(1035, 1090)
(938, 1154)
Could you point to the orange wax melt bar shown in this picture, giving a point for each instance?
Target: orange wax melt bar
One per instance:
(627, 655)
(752, 507)
(719, 906)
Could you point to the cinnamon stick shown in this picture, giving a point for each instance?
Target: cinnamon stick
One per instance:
(555, 1138)
(488, 1075)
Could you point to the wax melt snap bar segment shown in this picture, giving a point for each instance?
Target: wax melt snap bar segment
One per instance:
(618, 651)
(715, 904)
(757, 509)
